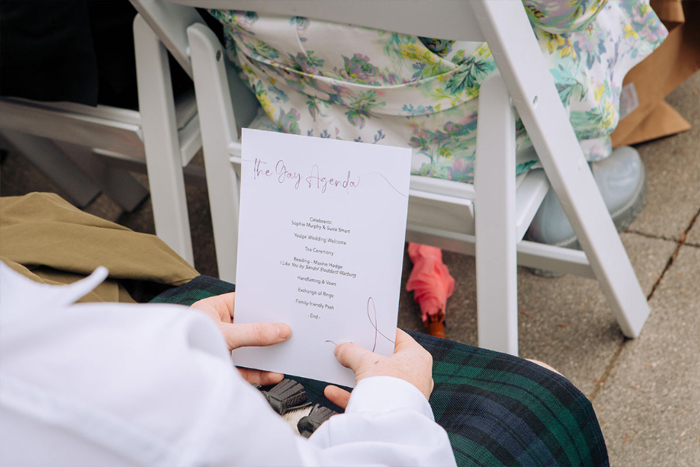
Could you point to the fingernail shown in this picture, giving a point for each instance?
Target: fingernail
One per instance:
(284, 332)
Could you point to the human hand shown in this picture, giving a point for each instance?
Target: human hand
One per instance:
(409, 362)
(220, 309)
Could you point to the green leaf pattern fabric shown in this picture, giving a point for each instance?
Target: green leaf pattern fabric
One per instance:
(333, 80)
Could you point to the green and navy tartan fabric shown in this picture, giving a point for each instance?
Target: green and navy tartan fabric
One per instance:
(197, 289)
(497, 409)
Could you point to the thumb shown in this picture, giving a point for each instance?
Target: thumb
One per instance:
(339, 397)
(254, 334)
(351, 355)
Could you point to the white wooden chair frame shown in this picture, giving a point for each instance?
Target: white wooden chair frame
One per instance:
(87, 150)
(441, 212)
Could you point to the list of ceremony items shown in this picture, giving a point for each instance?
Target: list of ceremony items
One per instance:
(320, 247)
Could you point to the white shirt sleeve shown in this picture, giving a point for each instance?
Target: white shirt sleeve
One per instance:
(388, 421)
(115, 384)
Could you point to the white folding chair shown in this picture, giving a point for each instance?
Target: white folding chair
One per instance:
(87, 150)
(487, 219)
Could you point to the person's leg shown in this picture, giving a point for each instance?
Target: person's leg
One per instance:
(504, 410)
(198, 288)
(499, 409)
(496, 408)
(622, 181)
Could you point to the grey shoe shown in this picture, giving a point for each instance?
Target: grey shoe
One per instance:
(622, 181)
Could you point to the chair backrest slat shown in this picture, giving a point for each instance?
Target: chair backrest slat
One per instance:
(170, 22)
(441, 19)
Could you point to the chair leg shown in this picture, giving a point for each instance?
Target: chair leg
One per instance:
(495, 229)
(218, 132)
(53, 163)
(586, 210)
(529, 82)
(116, 183)
(163, 153)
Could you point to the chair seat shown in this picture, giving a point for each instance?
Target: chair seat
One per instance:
(444, 205)
(110, 130)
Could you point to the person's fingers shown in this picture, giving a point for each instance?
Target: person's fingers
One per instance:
(351, 355)
(218, 307)
(404, 341)
(339, 397)
(263, 378)
(229, 302)
(410, 362)
(255, 334)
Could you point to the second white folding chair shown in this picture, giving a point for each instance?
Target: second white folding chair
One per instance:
(488, 219)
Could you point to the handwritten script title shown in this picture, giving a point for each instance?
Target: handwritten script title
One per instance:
(314, 179)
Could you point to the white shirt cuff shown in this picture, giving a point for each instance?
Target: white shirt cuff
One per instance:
(381, 394)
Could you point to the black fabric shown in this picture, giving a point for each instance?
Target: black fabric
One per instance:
(78, 51)
(47, 52)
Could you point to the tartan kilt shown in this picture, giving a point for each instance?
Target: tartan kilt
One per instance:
(497, 409)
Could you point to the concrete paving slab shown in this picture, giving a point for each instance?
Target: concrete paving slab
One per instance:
(693, 237)
(673, 169)
(649, 407)
(19, 177)
(565, 322)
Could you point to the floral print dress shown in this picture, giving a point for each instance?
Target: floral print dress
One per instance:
(333, 80)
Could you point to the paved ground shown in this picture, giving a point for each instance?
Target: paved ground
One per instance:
(646, 391)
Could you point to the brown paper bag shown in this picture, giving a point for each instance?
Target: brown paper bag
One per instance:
(644, 115)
